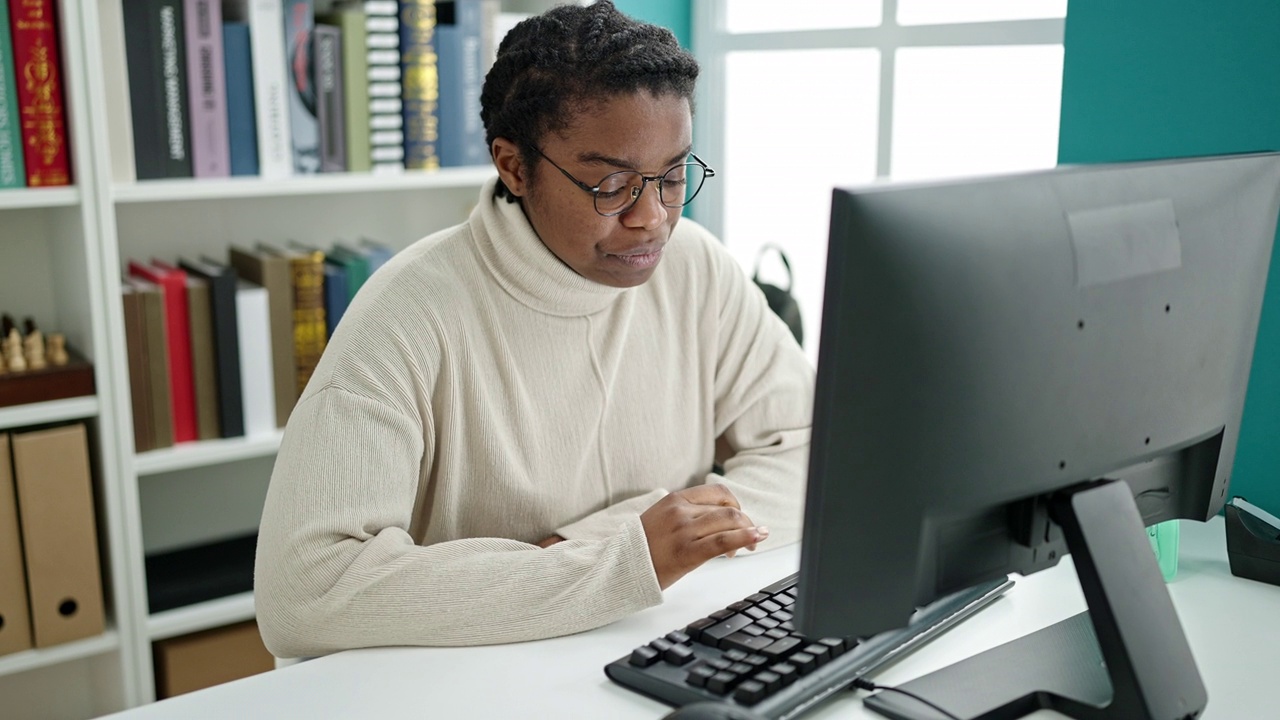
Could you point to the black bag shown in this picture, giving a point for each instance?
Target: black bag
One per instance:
(780, 301)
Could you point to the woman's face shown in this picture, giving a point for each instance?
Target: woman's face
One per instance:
(640, 132)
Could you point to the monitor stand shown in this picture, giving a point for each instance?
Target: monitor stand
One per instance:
(1126, 658)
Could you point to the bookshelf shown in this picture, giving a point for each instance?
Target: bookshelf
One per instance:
(62, 252)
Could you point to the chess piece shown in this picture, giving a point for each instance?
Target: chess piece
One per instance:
(33, 349)
(6, 324)
(13, 351)
(56, 349)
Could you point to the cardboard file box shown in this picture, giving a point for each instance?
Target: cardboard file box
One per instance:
(204, 659)
(59, 535)
(15, 623)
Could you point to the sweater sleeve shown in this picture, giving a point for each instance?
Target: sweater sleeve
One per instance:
(763, 405)
(337, 568)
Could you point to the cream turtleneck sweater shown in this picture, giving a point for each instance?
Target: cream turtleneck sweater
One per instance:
(480, 396)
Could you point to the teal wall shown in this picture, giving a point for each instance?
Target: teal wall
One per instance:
(672, 14)
(1163, 78)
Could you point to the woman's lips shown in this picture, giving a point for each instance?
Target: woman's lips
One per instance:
(639, 259)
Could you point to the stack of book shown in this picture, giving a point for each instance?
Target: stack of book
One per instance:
(270, 88)
(221, 349)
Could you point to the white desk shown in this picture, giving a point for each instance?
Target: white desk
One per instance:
(1233, 626)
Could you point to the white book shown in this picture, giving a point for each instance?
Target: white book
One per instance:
(381, 105)
(384, 89)
(386, 137)
(382, 73)
(382, 57)
(388, 168)
(114, 71)
(257, 387)
(382, 40)
(389, 121)
(381, 23)
(381, 7)
(270, 88)
(385, 153)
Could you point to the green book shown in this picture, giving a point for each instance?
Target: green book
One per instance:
(356, 265)
(13, 173)
(355, 84)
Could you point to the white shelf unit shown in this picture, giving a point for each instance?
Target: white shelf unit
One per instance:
(62, 253)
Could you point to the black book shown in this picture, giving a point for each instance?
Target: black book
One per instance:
(155, 49)
(330, 105)
(226, 340)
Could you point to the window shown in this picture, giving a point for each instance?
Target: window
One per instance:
(821, 94)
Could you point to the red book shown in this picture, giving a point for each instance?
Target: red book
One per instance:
(38, 69)
(173, 288)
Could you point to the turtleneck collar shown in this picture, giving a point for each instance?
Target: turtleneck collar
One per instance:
(525, 267)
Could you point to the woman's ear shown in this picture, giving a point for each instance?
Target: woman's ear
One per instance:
(511, 167)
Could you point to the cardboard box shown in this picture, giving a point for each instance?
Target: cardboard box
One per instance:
(204, 659)
(59, 534)
(15, 621)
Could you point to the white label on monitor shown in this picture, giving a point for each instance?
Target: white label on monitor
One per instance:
(1124, 241)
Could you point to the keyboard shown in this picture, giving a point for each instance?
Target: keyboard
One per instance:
(749, 653)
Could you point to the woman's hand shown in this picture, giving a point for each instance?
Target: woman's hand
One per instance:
(691, 526)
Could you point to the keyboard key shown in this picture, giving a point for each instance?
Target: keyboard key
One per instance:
(753, 629)
(781, 648)
(787, 626)
(781, 616)
(723, 629)
(746, 642)
(770, 606)
(776, 633)
(754, 613)
(678, 638)
(836, 645)
(756, 660)
(749, 692)
(757, 597)
(784, 600)
(786, 672)
(739, 606)
(678, 654)
(661, 645)
(740, 668)
(804, 662)
(699, 676)
(721, 682)
(721, 615)
(770, 679)
(695, 628)
(644, 656)
(718, 663)
(783, 584)
(821, 653)
(734, 656)
(768, 623)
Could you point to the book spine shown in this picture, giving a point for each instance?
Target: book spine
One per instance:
(38, 69)
(206, 83)
(157, 88)
(460, 57)
(335, 296)
(242, 130)
(382, 42)
(270, 88)
(256, 384)
(299, 21)
(308, 314)
(329, 99)
(355, 89)
(203, 364)
(421, 84)
(13, 172)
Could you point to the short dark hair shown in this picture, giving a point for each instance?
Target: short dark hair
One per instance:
(554, 64)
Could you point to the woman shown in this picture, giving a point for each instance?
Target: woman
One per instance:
(511, 434)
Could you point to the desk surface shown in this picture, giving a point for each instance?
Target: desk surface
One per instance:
(1233, 626)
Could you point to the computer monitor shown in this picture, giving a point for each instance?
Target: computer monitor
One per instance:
(1013, 368)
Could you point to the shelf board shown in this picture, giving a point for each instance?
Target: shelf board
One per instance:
(21, 198)
(189, 455)
(319, 184)
(44, 657)
(201, 616)
(49, 411)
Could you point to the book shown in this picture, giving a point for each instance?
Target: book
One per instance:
(458, 35)
(272, 271)
(265, 19)
(420, 92)
(306, 274)
(377, 253)
(242, 127)
(139, 382)
(203, 366)
(335, 295)
(207, 89)
(116, 114)
(222, 281)
(350, 20)
(382, 60)
(330, 103)
(154, 345)
(257, 381)
(13, 172)
(299, 22)
(173, 287)
(155, 50)
(38, 68)
(354, 264)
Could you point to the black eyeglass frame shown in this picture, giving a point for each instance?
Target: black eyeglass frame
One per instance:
(707, 172)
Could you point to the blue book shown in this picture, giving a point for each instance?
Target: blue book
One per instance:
(459, 49)
(377, 253)
(13, 173)
(335, 295)
(241, 125)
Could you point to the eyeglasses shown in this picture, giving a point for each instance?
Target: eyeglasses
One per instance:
(618, 192)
